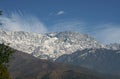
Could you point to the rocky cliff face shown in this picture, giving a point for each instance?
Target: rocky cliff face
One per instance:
(50, 45)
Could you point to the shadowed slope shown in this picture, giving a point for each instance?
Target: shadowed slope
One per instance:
(102, 60)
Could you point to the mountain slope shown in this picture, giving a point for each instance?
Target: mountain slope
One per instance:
(25, 66)
(102, 60)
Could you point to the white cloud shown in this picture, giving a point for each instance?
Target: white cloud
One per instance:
(57, 13)
(60, 12)
(16, 22)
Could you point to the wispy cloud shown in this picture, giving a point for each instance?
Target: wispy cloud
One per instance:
(60, 13)
(72, 25)
(18, 22)
(109, 33)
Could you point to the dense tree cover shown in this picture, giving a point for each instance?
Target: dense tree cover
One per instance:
(5, 54)
(4, 74)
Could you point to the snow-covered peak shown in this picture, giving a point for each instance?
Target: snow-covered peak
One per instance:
(50, 45)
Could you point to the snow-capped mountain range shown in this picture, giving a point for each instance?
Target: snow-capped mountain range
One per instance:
(49, 45)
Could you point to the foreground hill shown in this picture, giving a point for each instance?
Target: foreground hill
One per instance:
(25, 66)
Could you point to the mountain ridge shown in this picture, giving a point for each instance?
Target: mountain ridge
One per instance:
(49, 45)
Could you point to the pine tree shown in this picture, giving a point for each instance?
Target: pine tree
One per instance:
(5, 54)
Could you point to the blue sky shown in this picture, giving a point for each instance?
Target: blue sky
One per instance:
(99, 18)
